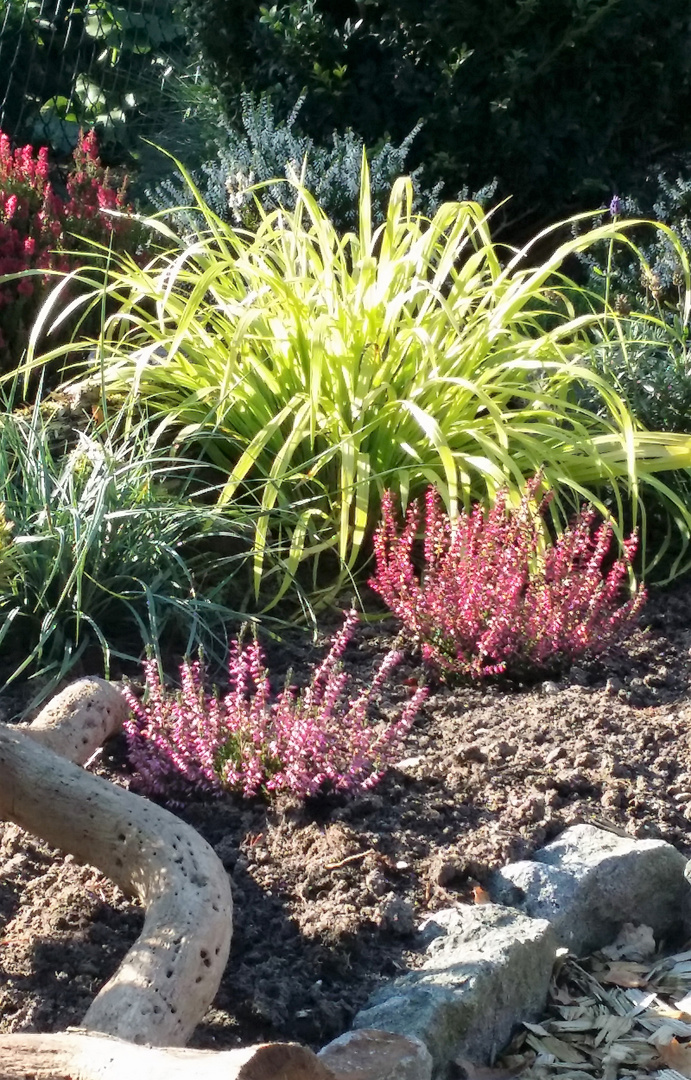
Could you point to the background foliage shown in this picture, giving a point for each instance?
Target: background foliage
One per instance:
(247, 161)
(564, 100)
(89, 63)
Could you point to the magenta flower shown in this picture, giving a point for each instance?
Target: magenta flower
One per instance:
(299, 741)
(495, 595)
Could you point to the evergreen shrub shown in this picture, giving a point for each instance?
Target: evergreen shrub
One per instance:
(250, 165)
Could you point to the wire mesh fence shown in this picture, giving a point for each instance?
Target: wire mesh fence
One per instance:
(66, 64)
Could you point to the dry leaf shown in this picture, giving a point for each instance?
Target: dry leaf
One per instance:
(624, 974)
(662, 1036)
(562, 1051)
(632, 943)
(612, 1028)
(481, 896)
(677, 1056)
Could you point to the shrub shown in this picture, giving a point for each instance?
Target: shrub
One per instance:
(302, 742)
(495, 595)
(37, 228)
(250, 165)
(652, 372)
(317, 369)
(563, 100)
(649, 280)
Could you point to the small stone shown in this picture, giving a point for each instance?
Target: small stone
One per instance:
(589, 882)
(369, 1054)
(398, 916)
(408, 763)
(506, 749)
(578, 676)
(376, 883)
(471, 752)
(555, 754)
(613, 685)
(549, 688)
(487, 970)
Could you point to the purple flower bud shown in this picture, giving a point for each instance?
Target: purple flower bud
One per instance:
(615, 206)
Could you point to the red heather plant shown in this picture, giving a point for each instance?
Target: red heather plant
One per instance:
(245, 742)
(41, 230)
(494, 595)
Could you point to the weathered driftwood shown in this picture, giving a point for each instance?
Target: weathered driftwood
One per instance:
(147, 1011)
(173, 970)
(79, 719)
(72, 1056)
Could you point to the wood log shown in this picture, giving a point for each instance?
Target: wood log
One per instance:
(139, 1021)
(171, 974)
(78, 720)
(73, 1056)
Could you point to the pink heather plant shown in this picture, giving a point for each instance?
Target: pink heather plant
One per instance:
(491, 598)
(39, 229)
(246, 742)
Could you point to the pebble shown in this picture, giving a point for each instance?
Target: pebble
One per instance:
(407, 763)
(376, 883)
(398, 916)
(549, 688)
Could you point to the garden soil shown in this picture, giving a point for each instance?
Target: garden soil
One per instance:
(328, 895)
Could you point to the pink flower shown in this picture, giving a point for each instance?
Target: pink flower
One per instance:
(249, 743)
(491, 597)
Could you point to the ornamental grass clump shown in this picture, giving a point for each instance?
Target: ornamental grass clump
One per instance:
(495, 594)
(304, 741)
(313, 369)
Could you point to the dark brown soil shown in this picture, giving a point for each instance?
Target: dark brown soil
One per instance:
(328, 895)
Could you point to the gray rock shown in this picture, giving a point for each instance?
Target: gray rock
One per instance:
(377, 1055)
(487, 969)
(589, 882)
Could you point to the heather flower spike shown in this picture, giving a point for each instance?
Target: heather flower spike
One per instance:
(495, 595)
(248, 743)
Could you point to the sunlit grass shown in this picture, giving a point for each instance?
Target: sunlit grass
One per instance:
(315, 370)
